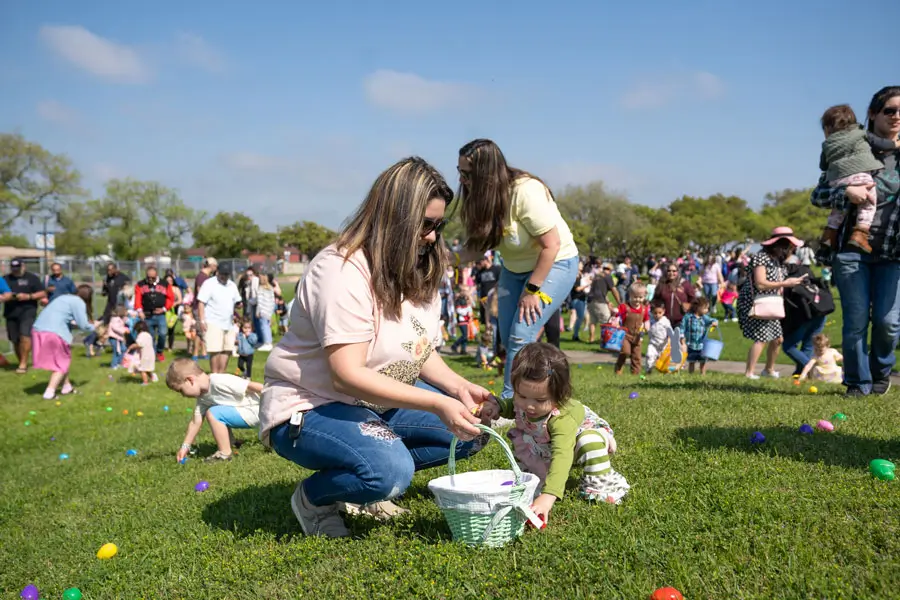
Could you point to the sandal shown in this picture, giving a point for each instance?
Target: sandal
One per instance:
(21, 371)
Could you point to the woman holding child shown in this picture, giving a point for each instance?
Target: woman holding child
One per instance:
(867, 259)
(513, 211)
(343, 395)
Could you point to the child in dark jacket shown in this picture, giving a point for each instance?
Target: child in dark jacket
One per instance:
(247, 342)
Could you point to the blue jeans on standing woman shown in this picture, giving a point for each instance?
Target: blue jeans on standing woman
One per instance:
(870, 292)
(462, 342)
(265, 330)
(711, 292)
(360, 456)
(158, 330)
(515, 334)
(118, 350)
(578, 306)
(802, 336)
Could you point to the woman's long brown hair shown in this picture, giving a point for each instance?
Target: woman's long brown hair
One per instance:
(484, 201)
(86, 293)
(387, 227)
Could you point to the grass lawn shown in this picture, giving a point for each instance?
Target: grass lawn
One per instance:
(798, 517)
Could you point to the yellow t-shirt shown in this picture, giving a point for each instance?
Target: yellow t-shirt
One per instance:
(532, 213)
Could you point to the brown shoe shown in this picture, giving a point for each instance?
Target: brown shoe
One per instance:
(829, 238)
(860, 239)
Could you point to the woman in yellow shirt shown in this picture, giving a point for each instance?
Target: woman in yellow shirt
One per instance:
(514, 212)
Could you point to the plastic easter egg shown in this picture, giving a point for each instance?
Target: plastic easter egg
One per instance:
(183, 460)
(131, 452)
(125, 412)
(165, 409)
(797, 382)
(824, 425)
(882, 469)
(506, 483)
(58, 403)
(63, 456)
(491, 382)
(633, 395)
(32, 412)
(839, 417)
(107, 393)
(72, 594)
(757, 438)
(666, 593)
(107, 551)
(189, 410)
(813, 389)
(109, 409)
(52, 438)
(643, 377)
(806, 429)
(201, 486)
(27, 423)
(30, 592)
(140, 414)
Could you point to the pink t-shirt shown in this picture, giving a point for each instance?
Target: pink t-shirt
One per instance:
(335, 305)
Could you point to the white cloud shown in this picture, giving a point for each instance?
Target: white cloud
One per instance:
(197, 52)
(410, 93)
(96, 55)
(675, 87)
(58, 113)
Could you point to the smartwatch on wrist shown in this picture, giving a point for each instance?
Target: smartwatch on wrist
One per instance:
(532, 288)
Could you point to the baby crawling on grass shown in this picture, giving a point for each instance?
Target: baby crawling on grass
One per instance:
(553, 432)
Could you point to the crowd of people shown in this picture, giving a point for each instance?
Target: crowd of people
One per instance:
(355, 389)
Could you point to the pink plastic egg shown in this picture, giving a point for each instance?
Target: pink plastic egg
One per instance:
(824, 425)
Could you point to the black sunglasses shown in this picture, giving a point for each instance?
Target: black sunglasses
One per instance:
(890, 111)
(435, 225)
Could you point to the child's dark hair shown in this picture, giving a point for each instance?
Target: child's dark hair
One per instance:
(657, 303)
(699, 303)
(246, 321)
(838, 118)
(462, 300)
(121, 311)
(539, 361)
(141, 327)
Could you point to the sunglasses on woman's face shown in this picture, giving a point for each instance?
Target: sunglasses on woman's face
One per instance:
(890, 111)
(435, 225)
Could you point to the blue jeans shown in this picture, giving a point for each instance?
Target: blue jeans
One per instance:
(868, 286)
(158, 330)
(118, 349)
(265, 330)
(515, 334)
(578, 306)
(462, 342)
(711, 291)
(803, 336)
(229, 416)
(362, 457)
(729, 311)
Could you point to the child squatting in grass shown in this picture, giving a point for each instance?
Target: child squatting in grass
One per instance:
(226, 401)
(553, 432)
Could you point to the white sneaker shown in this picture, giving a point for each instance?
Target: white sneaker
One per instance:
(752, 376)
(265, 348)
(317, 520)
(770, 374)
(383, 511)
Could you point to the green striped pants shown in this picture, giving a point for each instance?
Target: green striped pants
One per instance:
(591, 453)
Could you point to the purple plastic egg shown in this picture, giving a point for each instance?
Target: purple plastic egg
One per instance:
(506, 483)
(633, 395)
(806, 429)
(201, 486)
(757, 438)
(30, 592)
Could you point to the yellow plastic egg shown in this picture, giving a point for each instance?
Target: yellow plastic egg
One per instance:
(813, 389)
(107, 551)
(58, 403)
(140, 414)
(107, 393)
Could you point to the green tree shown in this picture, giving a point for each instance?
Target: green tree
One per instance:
(80, 233)
(708, 224)
(32, 180)
(308, 237)
(603, 223)
(793, 209)
(8, 238)
(141, 218)
(228, 235)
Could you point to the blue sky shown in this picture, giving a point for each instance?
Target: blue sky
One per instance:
(288, 110)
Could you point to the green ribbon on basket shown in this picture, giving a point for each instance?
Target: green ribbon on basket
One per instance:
(505, 508)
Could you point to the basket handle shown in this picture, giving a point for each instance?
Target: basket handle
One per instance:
(451, 462)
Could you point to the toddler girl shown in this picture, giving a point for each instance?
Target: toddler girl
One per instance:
(553, 432)
(660, 332)
(189, 327)
(144, 345)
(729, 295)
(824, 365)
(117, 331)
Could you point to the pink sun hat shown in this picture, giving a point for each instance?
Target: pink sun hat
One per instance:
(780, 233)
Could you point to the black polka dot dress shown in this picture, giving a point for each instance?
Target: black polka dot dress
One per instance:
(759, 330)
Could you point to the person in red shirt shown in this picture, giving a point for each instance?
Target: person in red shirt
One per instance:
(634, 317)
(152, 298)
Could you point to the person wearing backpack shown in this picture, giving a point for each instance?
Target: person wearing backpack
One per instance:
(806, 306)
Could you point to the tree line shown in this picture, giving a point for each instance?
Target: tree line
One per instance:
(140, 218)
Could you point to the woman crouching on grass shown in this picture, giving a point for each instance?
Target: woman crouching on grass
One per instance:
(342, 394)
(52, 337)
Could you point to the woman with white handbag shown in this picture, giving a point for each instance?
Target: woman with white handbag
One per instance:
(761, 303)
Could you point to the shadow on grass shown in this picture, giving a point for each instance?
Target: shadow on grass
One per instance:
(267, 508)
(834, 449)
(39, 386)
